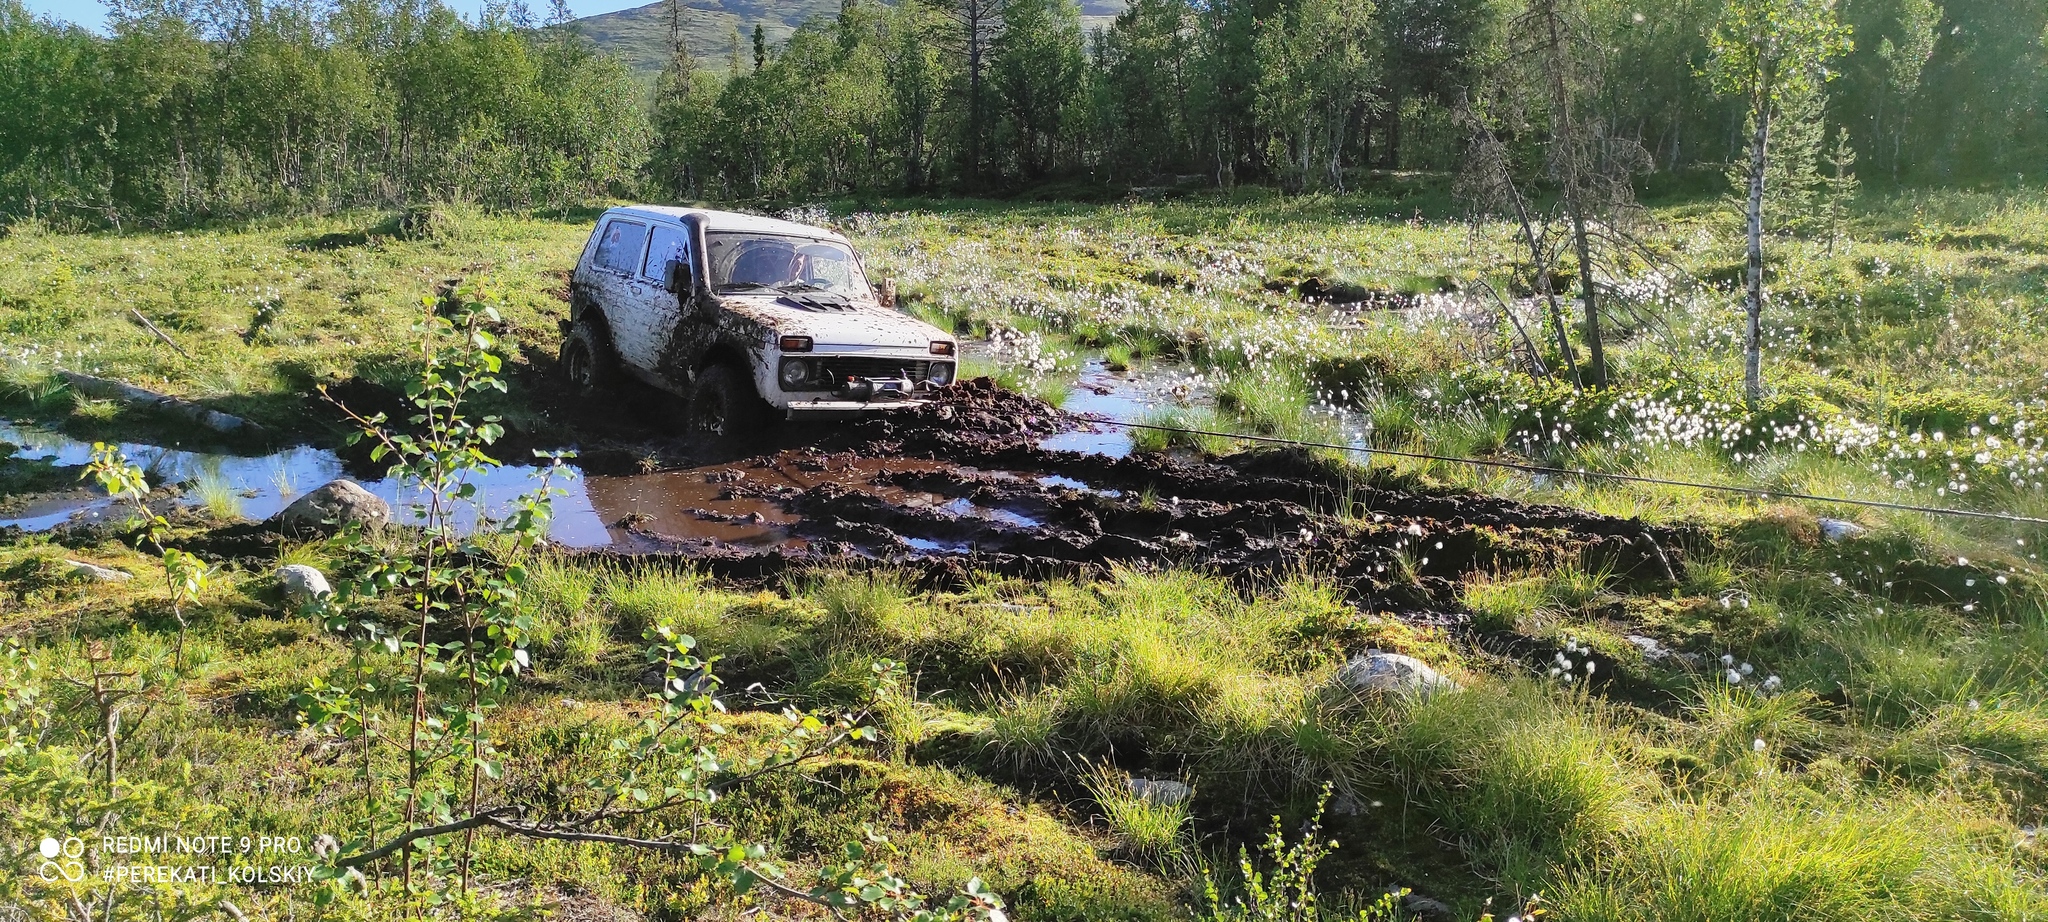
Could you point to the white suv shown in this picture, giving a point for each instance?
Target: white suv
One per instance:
(744, 317)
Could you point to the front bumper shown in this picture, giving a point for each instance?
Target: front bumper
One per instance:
(837, 408)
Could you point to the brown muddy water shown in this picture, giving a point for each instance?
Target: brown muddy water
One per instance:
(730, 505)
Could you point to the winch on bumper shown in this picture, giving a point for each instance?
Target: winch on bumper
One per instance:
(820, 386)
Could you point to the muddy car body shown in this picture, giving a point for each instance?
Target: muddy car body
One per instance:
(745, 317)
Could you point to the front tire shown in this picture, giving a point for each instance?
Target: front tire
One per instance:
(723, 403)
(587, 358)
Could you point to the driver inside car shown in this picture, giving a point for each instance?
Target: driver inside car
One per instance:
(777, 265)
(763, 264)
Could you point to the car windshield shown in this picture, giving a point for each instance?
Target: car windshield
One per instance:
(782, 262)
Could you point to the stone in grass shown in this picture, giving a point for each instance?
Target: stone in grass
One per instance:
(340, 502)
(689, 684)
(1652, 650)
(302, 584)
(1839, 530)
(1162, 793)
(1427, 910)
(1377, 671)
(100, 573)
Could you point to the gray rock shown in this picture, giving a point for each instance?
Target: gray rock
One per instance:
(1428, 910)
(341, 502)
(1390, 673)
(1652, 650)
(1839, 530)
(95, 571)
(302, 583)
(689, 684)
(1164, 793)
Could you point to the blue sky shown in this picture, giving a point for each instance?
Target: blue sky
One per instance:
(91, 14)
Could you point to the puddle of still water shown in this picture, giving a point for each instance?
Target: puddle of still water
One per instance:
(262, 485)
(1126, 395)
(1132, 394)
(709, 504)
(967, 509)
(1057, 480)
(699, 504)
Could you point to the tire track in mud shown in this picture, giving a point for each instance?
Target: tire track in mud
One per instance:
(961, 485)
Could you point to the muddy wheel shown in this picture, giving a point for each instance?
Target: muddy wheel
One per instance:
(587, 358)
(723, 403)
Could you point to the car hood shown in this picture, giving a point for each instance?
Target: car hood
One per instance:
(855, 323)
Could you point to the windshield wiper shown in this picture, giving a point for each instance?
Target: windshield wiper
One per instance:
(801, 286)
(746, 286)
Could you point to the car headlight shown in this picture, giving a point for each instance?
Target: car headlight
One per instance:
(794, 373)
(941, 373)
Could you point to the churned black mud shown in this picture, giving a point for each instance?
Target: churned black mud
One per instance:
(970, 482)
(964, 485)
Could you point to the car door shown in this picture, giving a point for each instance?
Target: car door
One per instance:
(625, 297)
(675, 329)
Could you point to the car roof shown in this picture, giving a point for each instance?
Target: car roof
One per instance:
(728, 220)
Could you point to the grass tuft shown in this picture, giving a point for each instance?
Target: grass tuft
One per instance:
(1152, 828)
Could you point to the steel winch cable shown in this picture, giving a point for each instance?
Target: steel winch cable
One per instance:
(1568, 472)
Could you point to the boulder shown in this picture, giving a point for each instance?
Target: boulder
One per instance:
(339, 503)
(97, 572)
(302, 583)
(1840, 530)
(1379, 672)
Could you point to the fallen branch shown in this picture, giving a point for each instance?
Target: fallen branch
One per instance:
(168, 341)
(146, 399)
(505, 818)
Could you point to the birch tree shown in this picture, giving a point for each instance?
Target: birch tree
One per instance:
(1770, 54)
(1318, 69)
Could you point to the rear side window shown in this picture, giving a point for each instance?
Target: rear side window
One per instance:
(667, 243)
(619, 251)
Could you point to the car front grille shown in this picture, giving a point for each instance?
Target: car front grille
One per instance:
(840, 367)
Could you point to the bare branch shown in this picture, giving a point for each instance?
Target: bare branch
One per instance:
(487, 818)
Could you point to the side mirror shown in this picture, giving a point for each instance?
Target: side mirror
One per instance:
(676, 277)
(885, 293)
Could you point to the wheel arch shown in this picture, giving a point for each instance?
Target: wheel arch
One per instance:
(594, 314)
(726, 354)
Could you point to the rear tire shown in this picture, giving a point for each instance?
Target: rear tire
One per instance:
(724, 403)
(587, 358)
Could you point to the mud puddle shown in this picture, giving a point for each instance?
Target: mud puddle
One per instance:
(741, 505)
(979, 480)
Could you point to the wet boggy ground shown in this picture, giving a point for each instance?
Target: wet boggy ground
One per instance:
(962, 485)
(966, 484)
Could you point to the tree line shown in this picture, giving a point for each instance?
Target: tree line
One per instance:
(187, 110)
(197, 107)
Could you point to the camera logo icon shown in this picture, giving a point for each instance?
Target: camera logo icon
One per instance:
(60, 859)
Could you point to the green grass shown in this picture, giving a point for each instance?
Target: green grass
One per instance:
(1902, 750)
(1514, 786)
(344, 295)
(1151, 828)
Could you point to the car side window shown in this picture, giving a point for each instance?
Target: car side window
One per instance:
(667, 243)
(619, 251)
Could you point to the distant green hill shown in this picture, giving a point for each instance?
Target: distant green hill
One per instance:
(640, 35)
